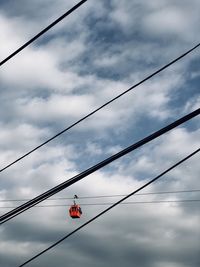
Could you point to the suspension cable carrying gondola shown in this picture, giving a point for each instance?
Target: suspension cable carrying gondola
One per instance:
(75, 211)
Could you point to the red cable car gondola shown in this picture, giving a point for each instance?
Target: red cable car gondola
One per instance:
(75, 211)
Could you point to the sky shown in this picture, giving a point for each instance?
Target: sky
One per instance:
(99, 51)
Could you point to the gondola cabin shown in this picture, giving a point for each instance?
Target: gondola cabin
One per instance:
(75, 211)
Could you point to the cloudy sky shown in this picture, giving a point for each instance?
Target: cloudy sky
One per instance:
(96, 53)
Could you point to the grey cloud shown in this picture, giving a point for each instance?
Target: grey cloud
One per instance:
(97, 53)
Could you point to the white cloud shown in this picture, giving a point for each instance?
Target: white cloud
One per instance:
(168, 20)
(56, 107)
(192, 104)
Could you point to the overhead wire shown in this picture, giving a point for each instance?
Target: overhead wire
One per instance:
(111, 207)
(15, 212)
(107, 196)
(42, 32)
(111, 203)
(99, 108)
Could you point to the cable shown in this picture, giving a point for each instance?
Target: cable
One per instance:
(101, 107)
(11, 214)
(109, 208)
(110, 203)
(42, 32)
(106, 196)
